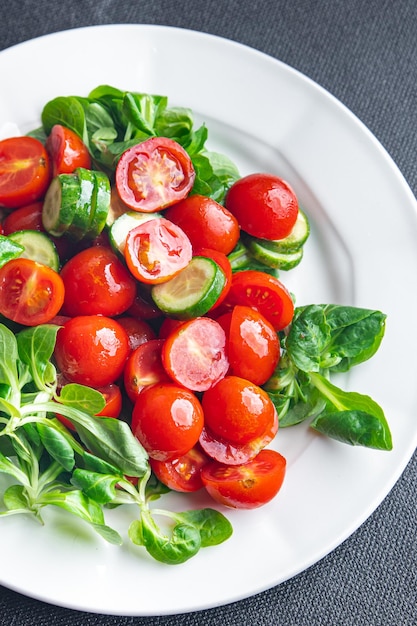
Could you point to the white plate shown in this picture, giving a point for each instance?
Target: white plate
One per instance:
(362, 251)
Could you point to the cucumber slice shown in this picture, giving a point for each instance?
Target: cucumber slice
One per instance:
(9, 249)
(192, 292)
(84, 205)
(59, 204)
(295, 240)
(123, 224)
(273, 258)
(100, 204)
(37, 246)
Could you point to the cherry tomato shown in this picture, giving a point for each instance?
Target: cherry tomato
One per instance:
(30, 293)
(264, 205)
(167, 420)
(27, 217)
(67, 150)
(157, 250)
(222, 260)
(154, 174)
(97, 282)
(168, 326)
(25, 171)
(144, 367)
(263, 292)
(194, 354)
(206, 223)
(91, 350)
(240, 420)
(112, 396)
(182, 474)
(253, 346)
(246, 486)
(138, 331)
(143, 306)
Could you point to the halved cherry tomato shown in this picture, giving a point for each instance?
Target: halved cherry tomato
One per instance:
(154, 174)
(25, 171)
(182, 474)
(222, 260)
(206, 223)
(264, 205)
(97, 282)
(67, 150)
(246, 486)
(138, 331)
(194, 354)
(240, 420)
(30, 293)
(157, 250)
(167, 420)
(144, 367)
(252, 344)
(263, 292)
(91, 350)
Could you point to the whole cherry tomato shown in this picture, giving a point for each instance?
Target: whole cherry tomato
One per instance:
(30, 293)
(167, 420)
(67, 150)
(144, 367)
(91, 350)
(239, 420)
(252, 344)
(206, 223)
(113, 398)
(154, 174)
(138, 331)
(28, 217)
(97, 282)
(246, 486)
(25, 171)
(264, 205)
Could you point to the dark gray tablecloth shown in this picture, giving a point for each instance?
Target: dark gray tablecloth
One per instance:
(365, 53)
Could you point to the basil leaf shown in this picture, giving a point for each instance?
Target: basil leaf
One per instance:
(57, 446)
(82, 398)
(213, 526)
(308, 337)
(67, 111)
(99, 487)
(36, 346)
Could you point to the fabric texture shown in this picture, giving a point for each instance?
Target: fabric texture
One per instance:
(364, 52)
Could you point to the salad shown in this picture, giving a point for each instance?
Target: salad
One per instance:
(148, 341)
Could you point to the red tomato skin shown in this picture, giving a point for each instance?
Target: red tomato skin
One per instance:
(264, 205)
(91, 350)
(167, 420)
(67, 150)
(30, 293)
(154, 174)
(97, 283)
(25, 171)
(263, 292)
(182, 474)
(138, 331)
(143, 307)
(194, 354)
(253, 346)
(206, 223)
(221, 259)
(27, 217)
(237, 410)
(247, 486)
(157, 251)
(144, 367)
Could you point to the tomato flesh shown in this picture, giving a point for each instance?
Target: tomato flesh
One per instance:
(182, 474)
(265, 293)
(167, 420)
(246, 486)
(157, 251)
(30, 293)
(25, 171)
(194, 354)
(154, 174)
